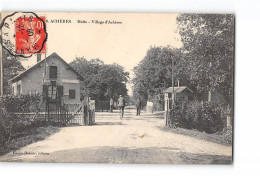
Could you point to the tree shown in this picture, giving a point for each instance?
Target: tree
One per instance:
(12, 67)
(208, 43)
(101, 81)
(154, 73)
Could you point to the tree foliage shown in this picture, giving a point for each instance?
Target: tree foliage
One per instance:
(101, 81)
(204, 63)
(154, 73)
(12, 67)
(208, 40)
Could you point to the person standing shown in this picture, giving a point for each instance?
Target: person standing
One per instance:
(121, 105)
(138, 106)
(111, 104)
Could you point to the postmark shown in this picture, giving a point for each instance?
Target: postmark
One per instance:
(24, 34)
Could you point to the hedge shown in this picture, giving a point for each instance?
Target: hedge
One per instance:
(203, 116)
(12, 124)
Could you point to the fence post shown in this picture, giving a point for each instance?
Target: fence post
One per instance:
(228, 120)
(93, 116)
(48, 111)
(228, 124)
(83, 111)
(92, 108)
(166, 113)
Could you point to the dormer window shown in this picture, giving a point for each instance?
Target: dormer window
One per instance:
(53, 72)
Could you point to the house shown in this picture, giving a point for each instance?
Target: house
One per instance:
(52, 77)
(181, 92)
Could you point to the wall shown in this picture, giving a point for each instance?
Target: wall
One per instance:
(183, 95)
(33, 80)
(67, 87)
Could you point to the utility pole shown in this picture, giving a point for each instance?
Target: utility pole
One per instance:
(173, 95)
(2, 73)
(1, 67)
(209, 90)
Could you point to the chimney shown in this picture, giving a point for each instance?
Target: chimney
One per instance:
(178, 82)
(39, 57)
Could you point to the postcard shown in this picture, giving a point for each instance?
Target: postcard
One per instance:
(118, 88)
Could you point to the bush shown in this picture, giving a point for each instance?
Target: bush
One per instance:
(13, 124)
(208, 117)
(21, 104)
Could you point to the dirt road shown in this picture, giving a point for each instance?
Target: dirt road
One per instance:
(135, 139)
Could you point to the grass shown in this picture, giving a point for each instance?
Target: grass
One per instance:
(223, 137)
(27, 137)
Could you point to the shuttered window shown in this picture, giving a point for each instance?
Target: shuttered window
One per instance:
(72, 94)
(60, 91)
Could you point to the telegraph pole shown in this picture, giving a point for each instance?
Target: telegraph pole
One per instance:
(1, 67)
(173, 95)
(2, 73)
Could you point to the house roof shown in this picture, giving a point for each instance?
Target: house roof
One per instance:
(177, 89)
(18, 77)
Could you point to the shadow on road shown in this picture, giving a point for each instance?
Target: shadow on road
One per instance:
(108, 123)
(126, 155)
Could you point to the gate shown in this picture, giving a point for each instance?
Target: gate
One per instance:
(57, 112)
(81, 114)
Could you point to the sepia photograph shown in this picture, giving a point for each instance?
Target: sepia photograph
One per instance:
(117, 88)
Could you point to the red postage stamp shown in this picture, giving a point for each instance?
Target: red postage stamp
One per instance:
(24, 34)
(30, 35)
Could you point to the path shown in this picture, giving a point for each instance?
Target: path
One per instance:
(136, 139)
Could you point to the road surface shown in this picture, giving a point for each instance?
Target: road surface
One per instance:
(135, 139)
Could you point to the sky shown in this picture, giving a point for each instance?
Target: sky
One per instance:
(125, 43)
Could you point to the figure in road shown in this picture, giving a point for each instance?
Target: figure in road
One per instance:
(111, 104)
(121, 105)
(138, 106)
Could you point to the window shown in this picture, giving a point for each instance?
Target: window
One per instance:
(72, 94)
(53, 72)
(18, 89)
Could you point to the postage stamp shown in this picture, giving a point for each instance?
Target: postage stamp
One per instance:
(24, 34)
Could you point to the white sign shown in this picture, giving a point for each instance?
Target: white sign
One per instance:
(149, 103)
(69, 81)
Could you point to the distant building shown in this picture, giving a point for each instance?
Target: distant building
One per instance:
(181, 92)
(52, 77)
